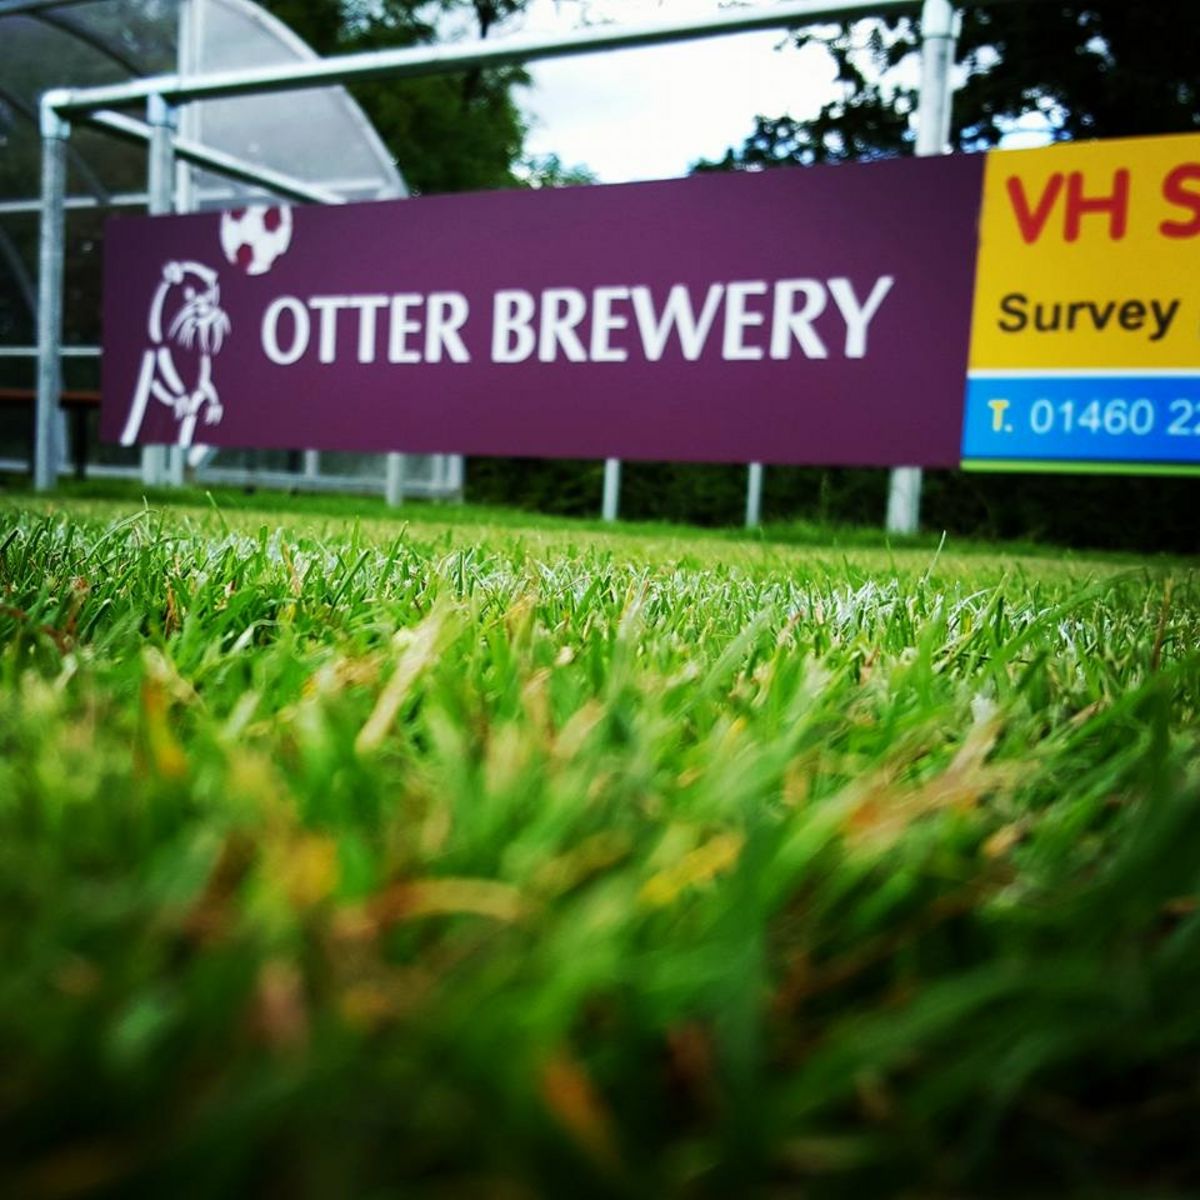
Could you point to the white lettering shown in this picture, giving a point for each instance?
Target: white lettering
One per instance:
(787, 323)
(677, 314)
(858, 316)
(738, 320)
(401, 326)
(512, 338)
(301, 327)
(328, 307)
(562, 310)
(367, 307)
(563, 323)
(447, 314)
(605, 322)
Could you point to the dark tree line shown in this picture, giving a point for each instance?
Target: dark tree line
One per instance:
(1111, 68)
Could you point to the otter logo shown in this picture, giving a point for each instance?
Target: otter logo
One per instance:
(186, 327)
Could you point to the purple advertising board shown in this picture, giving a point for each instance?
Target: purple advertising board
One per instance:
(816, 315)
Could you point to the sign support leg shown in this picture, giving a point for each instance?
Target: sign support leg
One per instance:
(455, 481)
(393, 488)
(939, 31)
(754, 490)
(612, 489)
(161, 200)
(46, 450)
(187, 124)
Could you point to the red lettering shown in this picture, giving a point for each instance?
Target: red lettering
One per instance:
(1116, 204)
(1175, 192)
(1031, 222)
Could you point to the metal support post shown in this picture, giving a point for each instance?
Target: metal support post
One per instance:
(904, 500)
(46, 450)
(612, 489)
(175, 458)
(393, 488)
(160, 116)
(187, 120)
(190, 25)
(939, 31)
(455, 481)
(754, 490)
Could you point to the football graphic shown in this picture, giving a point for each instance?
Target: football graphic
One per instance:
(254, 237)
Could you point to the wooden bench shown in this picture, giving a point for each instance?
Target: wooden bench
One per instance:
(77, 402)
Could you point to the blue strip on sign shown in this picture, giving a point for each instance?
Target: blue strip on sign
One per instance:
(1086, 418)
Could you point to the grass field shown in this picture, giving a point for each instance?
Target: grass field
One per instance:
(459, 857)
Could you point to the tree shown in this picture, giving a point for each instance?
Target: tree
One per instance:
(447, 133)
(1108, 68)
(538, 171)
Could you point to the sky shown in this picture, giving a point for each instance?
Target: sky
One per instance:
(650, 113)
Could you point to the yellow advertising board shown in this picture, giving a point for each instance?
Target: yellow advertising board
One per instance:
(1085, 336)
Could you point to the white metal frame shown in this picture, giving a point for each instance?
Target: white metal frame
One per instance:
(162, 94)
(939, 33)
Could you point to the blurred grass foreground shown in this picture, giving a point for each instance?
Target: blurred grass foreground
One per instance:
(365, 860)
